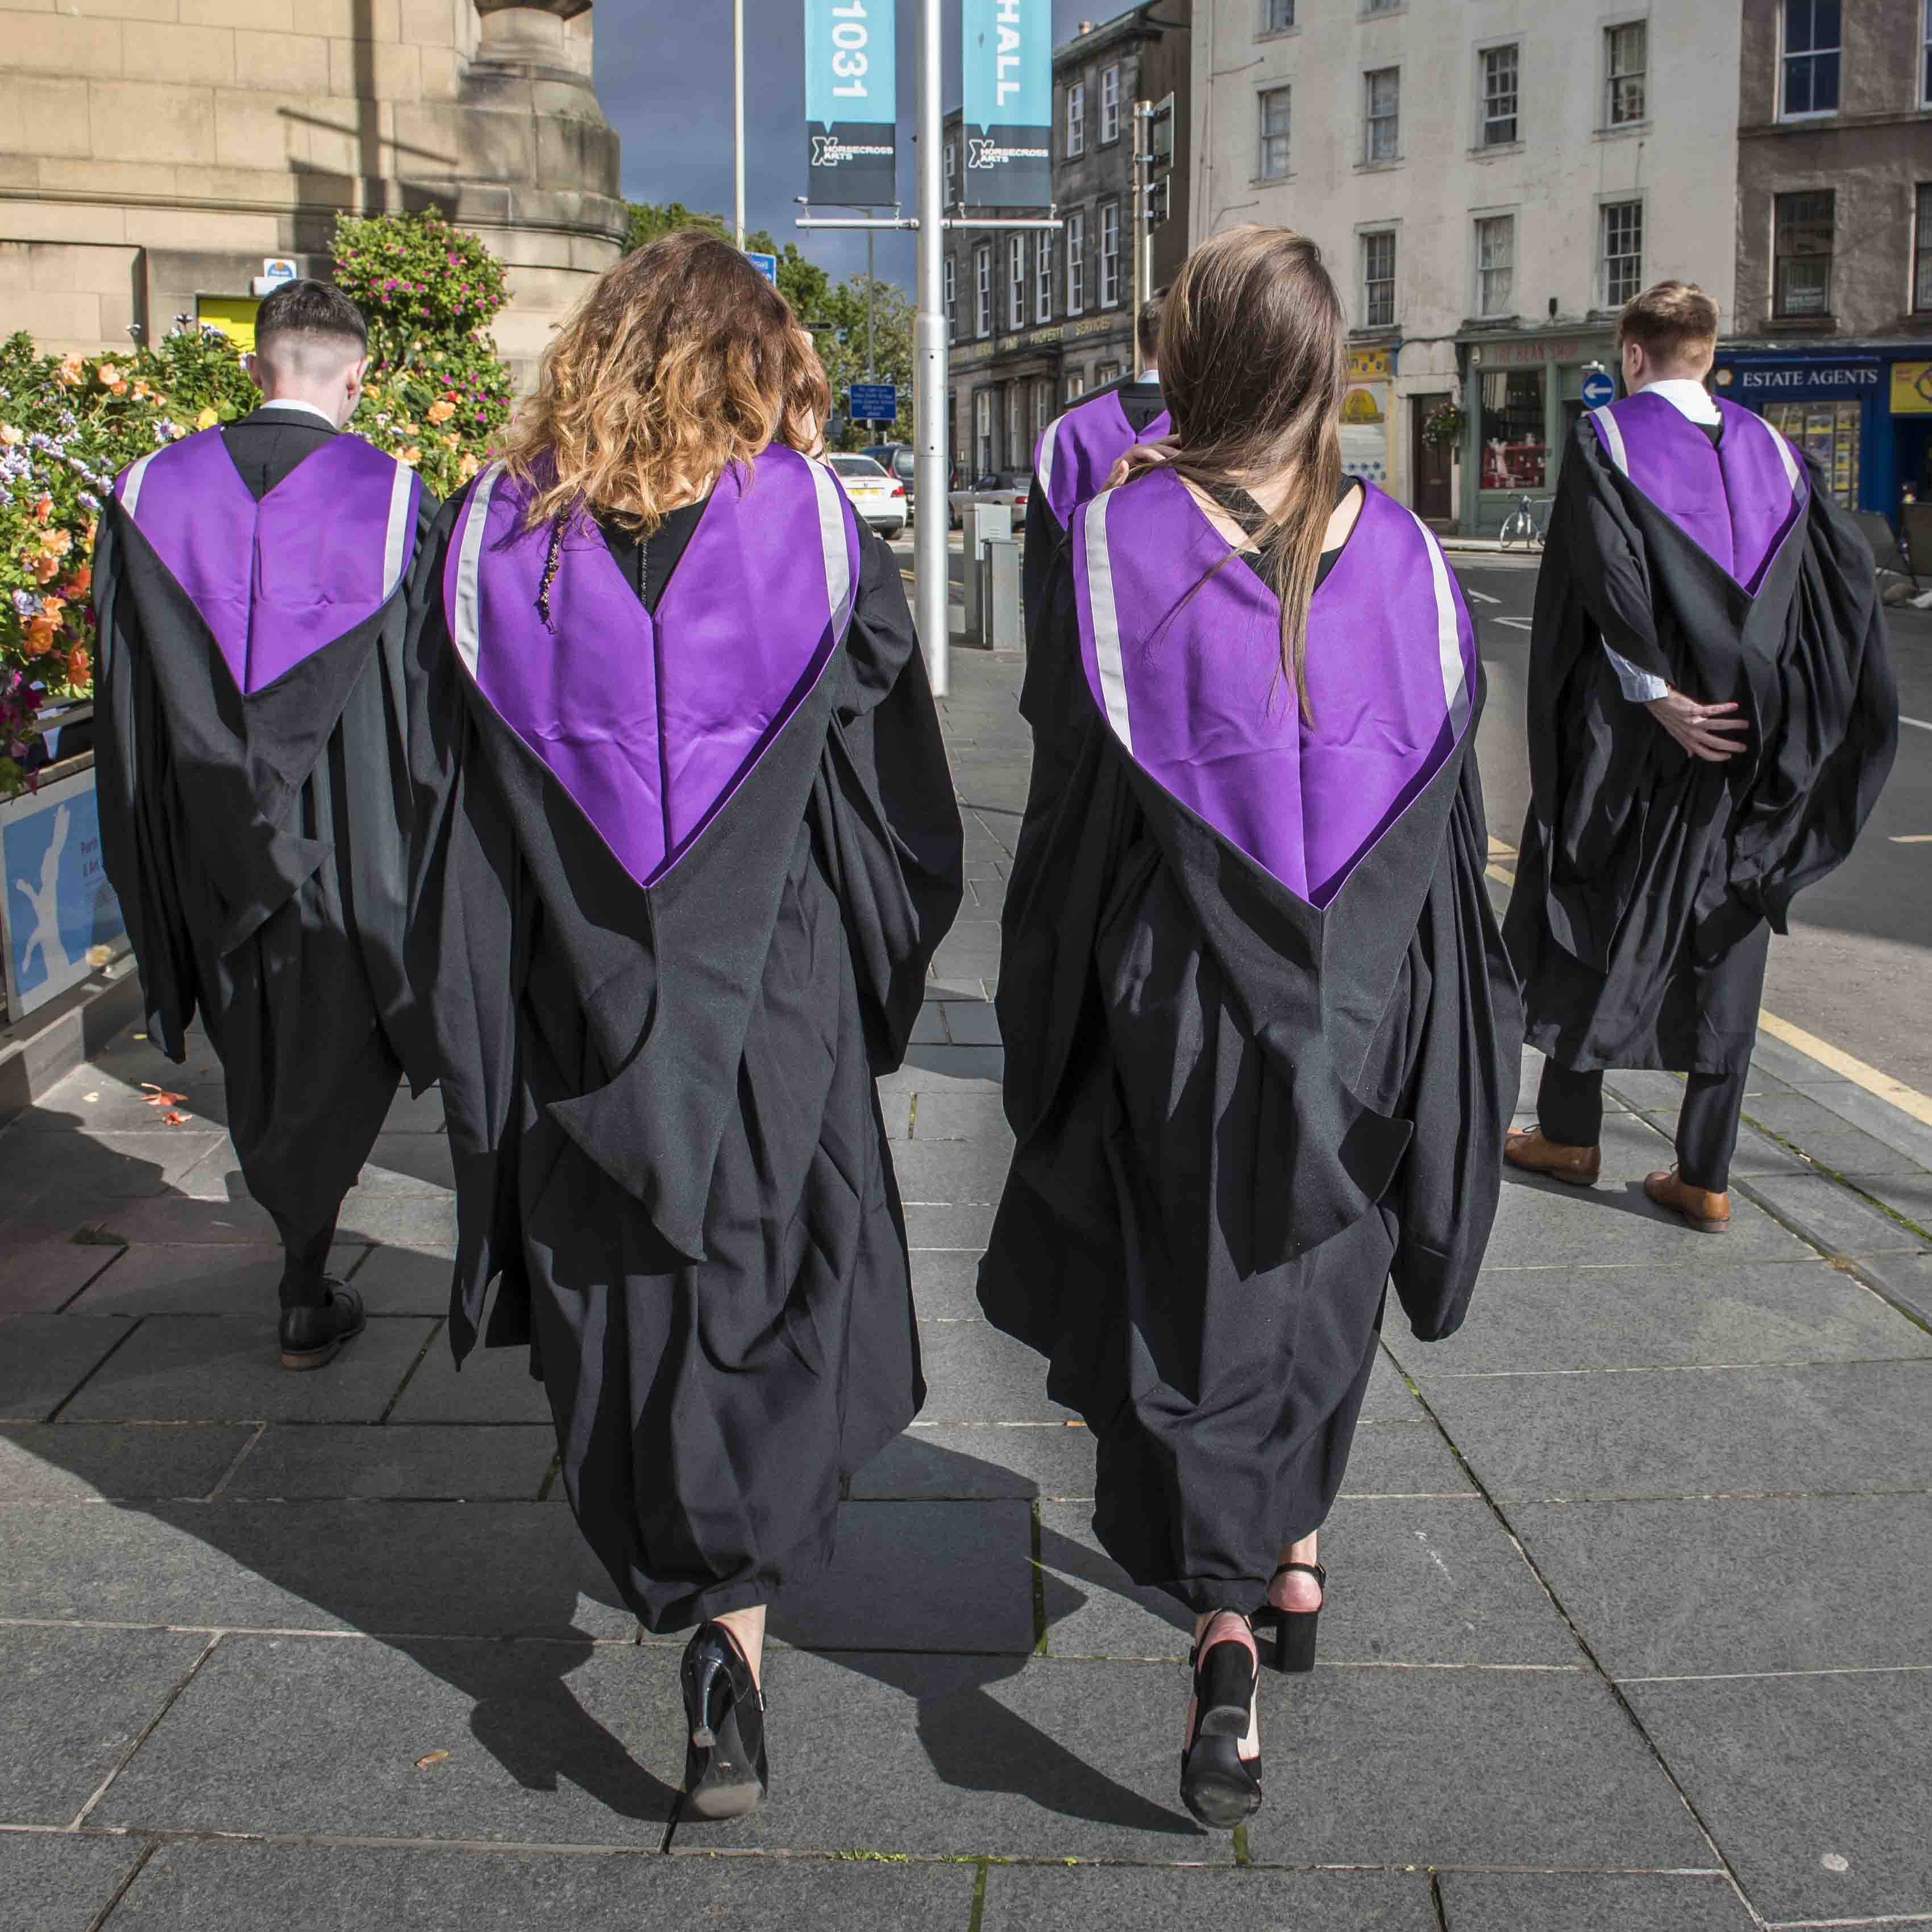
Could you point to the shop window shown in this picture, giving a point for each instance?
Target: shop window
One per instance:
(1829, 434)
(1801, 280)
(983, 433)
(1273, 102)
(1383, 6)
(1076, 120)
(1043, 262)
(1514, 456)
(1076, 263)
(1107, 372)
(1110, 105)
(1076, 385)
(1496, 265)
(1378, 280)
(1626, 59)
(1382, 135)
(1921, 247)
(1016, 281)
(982, 289)
(952, 296)
(1277, 16)
(1110, 254)
(1810, 57)
(1499, 76)
(1622, 251)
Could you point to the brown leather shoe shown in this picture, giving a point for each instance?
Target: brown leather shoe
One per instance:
(1708, 1213)
(1526, 1148)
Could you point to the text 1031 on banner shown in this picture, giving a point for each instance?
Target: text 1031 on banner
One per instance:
(851, 109)
(1007, 103)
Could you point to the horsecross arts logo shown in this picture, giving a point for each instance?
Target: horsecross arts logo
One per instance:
(981, 153)
(828, 150)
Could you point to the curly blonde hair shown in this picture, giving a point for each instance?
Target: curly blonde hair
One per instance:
(682, 360)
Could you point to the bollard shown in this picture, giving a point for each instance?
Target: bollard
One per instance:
(984, 520)
(1001, 592)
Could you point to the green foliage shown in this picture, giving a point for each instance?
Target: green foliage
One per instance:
(437, 390)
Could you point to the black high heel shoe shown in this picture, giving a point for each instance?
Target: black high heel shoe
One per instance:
(1294, 1630)
(725, 1775)
(1218, 1785)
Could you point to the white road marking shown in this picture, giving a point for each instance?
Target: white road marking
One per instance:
(1912, 837)
(1515, 623)
(1480, 596)
(1918, 723)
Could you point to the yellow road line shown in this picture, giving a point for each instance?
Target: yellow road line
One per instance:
(1912, 837)
(1847, 1066)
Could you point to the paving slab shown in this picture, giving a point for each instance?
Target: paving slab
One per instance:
(1831, 1215)
(945, 1114)
(57, 1882)
(1404, 1459)
(57, 1461)
(1907, 1194)
(399, 1220)
(978, 1068)
(1830, 1428)
(174, 1217)
(1892, 1125)
(485, 1570)
(974, 1373)
(973, 1461)
(1388, 1397)
(414, 1113)
(971, 1023)
(211, 1888)
(76, 1700)
(1114, 1898)
(44, 1358)
(406, 1281)
(1514, 1768)
(958, 1755)
(1816, 1788)
(196, 1278)
(492, 1385)
(104, 1167)
(968, 1227)
(945, 1282)
(227, 1368)
(951, 1173)
(1750, 1311)
(327, 1461)
(1827, 1137)
(1786, 1583)
(1542, 1223)
(551, 1744)
(38, 1277)
(1592, 1902)
(919, 1577)
(91, 1099)
(1410, 1583)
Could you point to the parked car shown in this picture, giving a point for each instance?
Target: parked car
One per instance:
(878, 498)
(1011, 486)
(901, 460)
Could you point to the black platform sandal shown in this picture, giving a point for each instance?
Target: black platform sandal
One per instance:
(725, 1775)
(1294, 1630)
(1218, 1785)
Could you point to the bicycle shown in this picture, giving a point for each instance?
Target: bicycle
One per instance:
(1528, 522)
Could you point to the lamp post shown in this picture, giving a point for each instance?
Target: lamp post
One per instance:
(738, 122)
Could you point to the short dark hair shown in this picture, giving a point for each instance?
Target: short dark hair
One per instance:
(310, 308)
(1146, 325)
(1670, 321)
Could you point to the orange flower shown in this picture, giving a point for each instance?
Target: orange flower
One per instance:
(9, 436)
(93, 529)
(57, 543)
(41, 637)
(141, 392)
(466, 469)
(43, 568)
(412, 456)
(79, 584)
(440, 411)
(109, 374)
(79, 665)
(54, 607)
(43, 509)
(451, 441)
(117, 388)
(70, 371)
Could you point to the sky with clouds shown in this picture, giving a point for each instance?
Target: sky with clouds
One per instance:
(664, 77)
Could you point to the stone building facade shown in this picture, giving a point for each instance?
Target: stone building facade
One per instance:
(1832, 333)
(155, 153)
(1489, 180)
(1036, 318)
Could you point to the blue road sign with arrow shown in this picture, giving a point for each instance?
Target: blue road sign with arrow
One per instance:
(1599, 388)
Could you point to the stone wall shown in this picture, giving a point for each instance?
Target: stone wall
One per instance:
(156, 150)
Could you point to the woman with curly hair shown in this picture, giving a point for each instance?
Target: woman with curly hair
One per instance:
(685, 843)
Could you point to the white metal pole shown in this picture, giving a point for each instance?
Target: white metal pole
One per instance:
(738, 120)
(930, 566)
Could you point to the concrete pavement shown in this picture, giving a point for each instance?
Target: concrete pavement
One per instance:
(1629, 1627)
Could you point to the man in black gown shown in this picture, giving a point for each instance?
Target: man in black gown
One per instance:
(1712, 713)
(249, 587)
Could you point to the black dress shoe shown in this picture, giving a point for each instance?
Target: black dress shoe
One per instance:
(312, 1337)
(725, 1775)
(1222, 1788)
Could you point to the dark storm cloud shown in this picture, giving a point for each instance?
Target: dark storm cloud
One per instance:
(664, 77)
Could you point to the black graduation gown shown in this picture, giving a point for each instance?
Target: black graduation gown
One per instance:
(1646, 876)
(1237, 1119)
(258, 846)
(669, 1151)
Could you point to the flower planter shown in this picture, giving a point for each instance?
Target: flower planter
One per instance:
(59, 919)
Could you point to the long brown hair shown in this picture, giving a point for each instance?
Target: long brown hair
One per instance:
(681, 360)
(1253, 358)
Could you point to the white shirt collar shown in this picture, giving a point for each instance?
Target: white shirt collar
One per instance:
(1686, 395)
(295, 402)
(1149, 374)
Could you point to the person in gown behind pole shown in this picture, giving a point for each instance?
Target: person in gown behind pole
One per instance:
(1262, 1040)
(251, 585)
(1712, 713)
(687, 842)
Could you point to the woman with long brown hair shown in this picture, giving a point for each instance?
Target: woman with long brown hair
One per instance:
(686, 841)
(1261, 1038)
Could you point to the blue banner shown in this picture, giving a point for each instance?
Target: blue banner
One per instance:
(1007, 102)
(851, 102)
